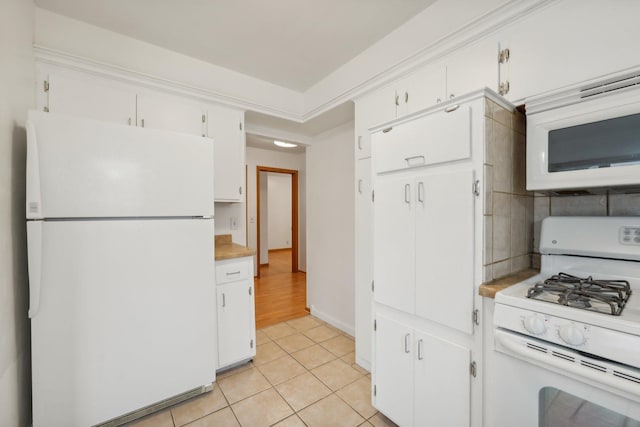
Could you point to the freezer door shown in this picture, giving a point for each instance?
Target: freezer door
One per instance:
(82, 168)
(122, 315)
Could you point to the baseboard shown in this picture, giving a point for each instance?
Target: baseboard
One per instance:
(332, 321)
(363, 364)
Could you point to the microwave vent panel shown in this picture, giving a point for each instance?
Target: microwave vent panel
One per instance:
(611, 85)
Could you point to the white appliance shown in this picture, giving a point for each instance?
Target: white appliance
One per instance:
(575, 364)
(585, 138)
(121, 269)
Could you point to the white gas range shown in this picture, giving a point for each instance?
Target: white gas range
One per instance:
(568, 339)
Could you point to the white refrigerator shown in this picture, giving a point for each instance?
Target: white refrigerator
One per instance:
(120, 239)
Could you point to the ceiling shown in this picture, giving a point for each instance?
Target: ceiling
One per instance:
(266, 143)
(290, 43)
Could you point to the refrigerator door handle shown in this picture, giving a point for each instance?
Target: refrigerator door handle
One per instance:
(34, 197)
(34, 264)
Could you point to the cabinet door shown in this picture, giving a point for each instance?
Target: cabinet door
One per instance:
(226, 126)
(235, 323)
(444, 248)
(364, 261)
(394, 272)
(394, 371)
(473, 68)
(574, 41)
(442, 136)
(442, 382)
(424, 88)
(92, 97)
(166, 112)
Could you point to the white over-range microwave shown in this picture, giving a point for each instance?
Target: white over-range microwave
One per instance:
(586, 138)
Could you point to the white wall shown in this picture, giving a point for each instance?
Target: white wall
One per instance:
(16, 96)
(278, 159)
(224, 212)
(330, 228)
(279, 206)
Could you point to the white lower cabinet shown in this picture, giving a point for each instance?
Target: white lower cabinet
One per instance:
(236, 311)
(429, 382)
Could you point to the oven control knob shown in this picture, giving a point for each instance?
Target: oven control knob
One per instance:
(572, 335)
(535, 325)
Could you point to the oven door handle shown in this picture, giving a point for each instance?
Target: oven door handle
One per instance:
(508, 343)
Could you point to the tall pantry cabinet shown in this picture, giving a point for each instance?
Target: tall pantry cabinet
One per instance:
(428, 234)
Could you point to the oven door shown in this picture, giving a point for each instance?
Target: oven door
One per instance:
(533, 389)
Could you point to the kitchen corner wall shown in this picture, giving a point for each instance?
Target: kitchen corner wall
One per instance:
(331, 228)
(611, 204)
(508, 207)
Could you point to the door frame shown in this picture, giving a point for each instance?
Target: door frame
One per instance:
(294, 213)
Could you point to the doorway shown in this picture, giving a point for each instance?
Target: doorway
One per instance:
(294, 214)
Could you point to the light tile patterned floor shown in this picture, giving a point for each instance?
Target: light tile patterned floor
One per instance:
(304, 374)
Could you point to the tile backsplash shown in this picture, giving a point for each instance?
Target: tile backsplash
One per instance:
(509, 208)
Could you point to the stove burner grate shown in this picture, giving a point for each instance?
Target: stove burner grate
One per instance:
(605, 296)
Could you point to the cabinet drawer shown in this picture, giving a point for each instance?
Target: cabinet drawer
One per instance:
(231, 271)
(443, 136)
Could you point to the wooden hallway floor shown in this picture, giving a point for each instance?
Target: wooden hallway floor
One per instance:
(280, 294)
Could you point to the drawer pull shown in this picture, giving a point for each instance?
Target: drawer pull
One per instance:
(421, 192)
(420, 345)
(451, 108)
(233, 272)
(224, 301)
(359, 142)
(360, 186)
(407, 193)
(407, 347)
(410, 159)
(387, 130)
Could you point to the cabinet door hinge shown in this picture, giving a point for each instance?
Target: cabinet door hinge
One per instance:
(250, 291)
(473, 369)
(373, 287)
(375, 325)
(503, 56)
(204, 118)
(476, 317)
(251, 344)
(375, 391)
(46, 85)
(503, 88)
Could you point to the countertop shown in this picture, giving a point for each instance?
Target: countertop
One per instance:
(226, 249)
(490, 289)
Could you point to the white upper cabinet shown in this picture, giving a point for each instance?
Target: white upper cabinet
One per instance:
(89, 97)
(226, 127)
(106, 100)
(570, 42)
(166, 112)
(422, 89)
(473, 67)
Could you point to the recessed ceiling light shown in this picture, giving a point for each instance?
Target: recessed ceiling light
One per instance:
(285, 144)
